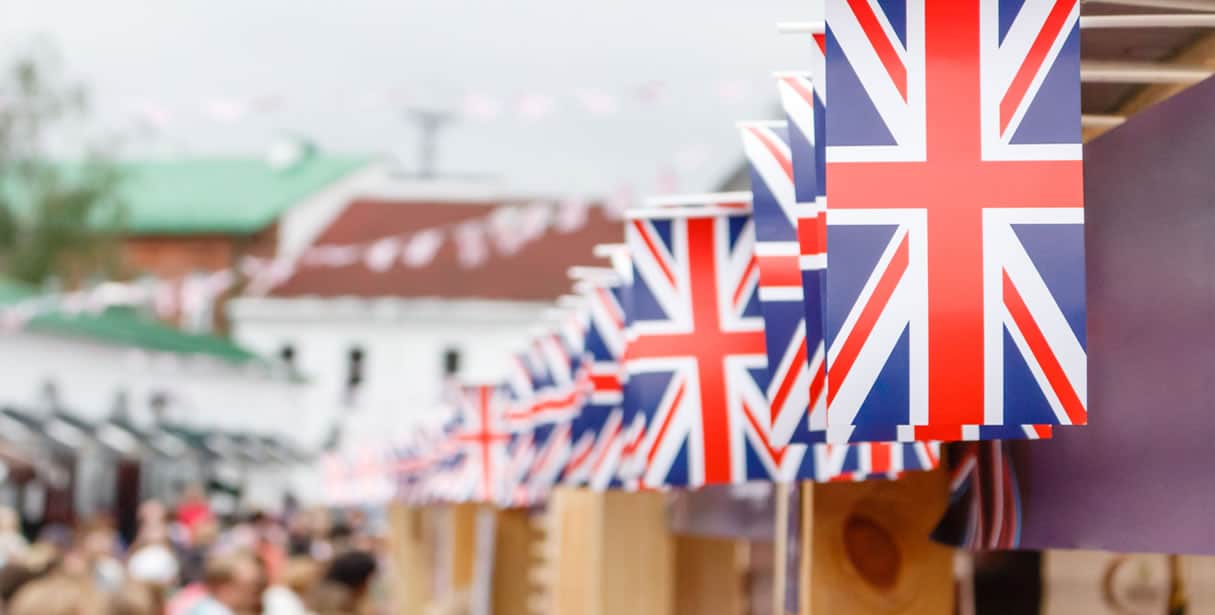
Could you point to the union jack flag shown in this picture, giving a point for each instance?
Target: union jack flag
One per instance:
(697, 363)
(985, 498)
(524, 378)
(484, 437)
(557, 407)
(955, 222)
(788, 285)
(803, 97)
(598, 432)
(451, 476)
(631, 467)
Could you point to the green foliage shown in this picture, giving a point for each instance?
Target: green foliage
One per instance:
(57, 221)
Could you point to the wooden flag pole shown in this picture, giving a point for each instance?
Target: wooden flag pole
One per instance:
(867, 548)
(780, 548)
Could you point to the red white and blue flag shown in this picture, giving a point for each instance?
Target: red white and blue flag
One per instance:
(985, 506)
(483, 436)
(697, 366)
(956, 288)
(599, 430)
(632, 464)
(561, 399)
(796, 359)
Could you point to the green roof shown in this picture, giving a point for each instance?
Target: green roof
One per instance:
(221, 195)
(121, 326)
(228, 195)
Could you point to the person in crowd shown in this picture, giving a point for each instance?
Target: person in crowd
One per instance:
(57, 594)
(155, 564)
(194, 508)
(37, 562)
(346, 585)
(298, 581)
(93, 556)
(269, 544)
(134, 599)
(12, 543)
(193, 553)
(234, 585)
(299, 535)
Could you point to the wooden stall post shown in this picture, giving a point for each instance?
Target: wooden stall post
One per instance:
(410, 551)
(514, 560)
(709, 576)
(463, 519)
(867, 550)
(612, 553)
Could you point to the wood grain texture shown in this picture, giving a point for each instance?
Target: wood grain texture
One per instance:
(513, 561)
(868, 547)
(708, 578)
(410, 554)
(613, 553)
(463, 523)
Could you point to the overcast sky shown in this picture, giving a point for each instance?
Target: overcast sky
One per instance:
(342, 73)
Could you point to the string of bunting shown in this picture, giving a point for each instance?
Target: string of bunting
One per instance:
(483, 106)
(504, 231)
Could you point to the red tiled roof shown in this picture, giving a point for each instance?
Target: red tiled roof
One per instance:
(536, 272)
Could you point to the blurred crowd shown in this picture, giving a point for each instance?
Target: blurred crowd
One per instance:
(186, 560)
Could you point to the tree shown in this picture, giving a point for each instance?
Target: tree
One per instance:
(58, 221)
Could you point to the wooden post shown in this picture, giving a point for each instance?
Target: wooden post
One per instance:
(410, 551)
(708, 576)
(612, 553)
(513, 562)
(867, 549)
(463, 519)
(780, 548)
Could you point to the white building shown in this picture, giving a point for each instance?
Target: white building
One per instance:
(380, 340)
(92, 394)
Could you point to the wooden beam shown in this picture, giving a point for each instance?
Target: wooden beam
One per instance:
(1103, 71)
(1201, 53)
(1148, 20)
(1171, 5)
(869, 550)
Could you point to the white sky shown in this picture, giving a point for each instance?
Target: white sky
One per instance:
(341, 72)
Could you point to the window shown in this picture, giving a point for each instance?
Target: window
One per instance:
(287, 355)
(355, 366)
(451, 362)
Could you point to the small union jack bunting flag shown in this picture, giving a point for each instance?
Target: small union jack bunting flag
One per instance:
(697, 365)
(796, 361)
(985, 498)
(483, 436)
(631, 467)
(598, 432)
(956, 291)
(553, 416)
